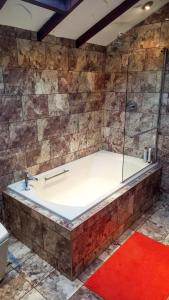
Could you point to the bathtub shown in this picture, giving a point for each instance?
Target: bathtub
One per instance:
(74, 188)
(70, 219)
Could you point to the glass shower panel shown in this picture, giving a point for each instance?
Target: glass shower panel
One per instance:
(140, 133)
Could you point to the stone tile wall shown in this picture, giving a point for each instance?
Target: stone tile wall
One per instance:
(58, 103)
(133, 74)
(51, 102)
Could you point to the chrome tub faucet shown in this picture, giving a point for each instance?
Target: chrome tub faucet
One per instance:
(29, 177)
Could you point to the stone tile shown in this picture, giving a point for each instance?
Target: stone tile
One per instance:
(86, 121)
(143, 82)
(33, 295)
(114, 119)
(23, 81)
(4, 136)
(153, 230)
(147, 36)
(113, 63)
(57, 286)
(60, 247)
(22, 133)
(108, 252)
(153, 59)
(18, 81)
(75, 82)
(34, 269)
(40, 168)
(125, 206)
(124, 236)
(1, 82)
(60, 146)
(38, 153)
(161, 218)
(115, 101)
(48, 127)
(5, 180)
(116, 82)
(31, 54)
(165, 104)
(90, 270)
(150, 103)
(11, 160)
(85, 294)
(166, 83)
(18, 253)
(35, 106)
(93, 138)
(137, 61)
(86, 61)
(138, 223)
(164, 41)
(58, 104)
(56, 57)
(14, 286)
(22, 33)
(11, 109)
(70, 123)
(8, 51)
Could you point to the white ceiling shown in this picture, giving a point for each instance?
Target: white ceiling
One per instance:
(27, 16)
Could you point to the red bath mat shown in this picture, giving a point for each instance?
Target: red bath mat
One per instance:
(138, 270)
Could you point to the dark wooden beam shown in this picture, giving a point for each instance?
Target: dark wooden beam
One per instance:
(59, 6)
(56, 19)
(109, 18)
(2, 3)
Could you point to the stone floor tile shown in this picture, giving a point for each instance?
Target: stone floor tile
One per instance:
(17, 253)
(35, 269)
(14, 286)
(85, 294)
(12, 240)
(124, 236)
(108, 252)
(90, 270)
(33, 295)
(57, 286)
(161, 217)
(153, 230)
(166, 240)
(138, 223)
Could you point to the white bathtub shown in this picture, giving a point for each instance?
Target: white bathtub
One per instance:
(88, 181)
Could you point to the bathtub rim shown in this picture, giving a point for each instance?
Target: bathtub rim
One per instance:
(71, 225)
(107, 195)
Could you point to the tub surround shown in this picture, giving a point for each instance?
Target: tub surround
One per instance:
(70, 246)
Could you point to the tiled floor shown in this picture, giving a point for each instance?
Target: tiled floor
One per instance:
(31, 278)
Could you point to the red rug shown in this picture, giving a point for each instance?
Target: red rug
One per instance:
(138, 270)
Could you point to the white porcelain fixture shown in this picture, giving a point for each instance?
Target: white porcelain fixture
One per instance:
(83, 184)
(4, 236)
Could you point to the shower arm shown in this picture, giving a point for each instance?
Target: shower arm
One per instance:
(140, 133)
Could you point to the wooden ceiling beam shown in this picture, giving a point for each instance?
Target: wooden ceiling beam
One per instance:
(59, 6)
(105, 21)
(56, 19)
(2, 3)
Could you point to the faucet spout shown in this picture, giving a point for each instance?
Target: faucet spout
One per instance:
(29, 177)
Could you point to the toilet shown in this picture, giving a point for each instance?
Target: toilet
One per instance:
(4, 238)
